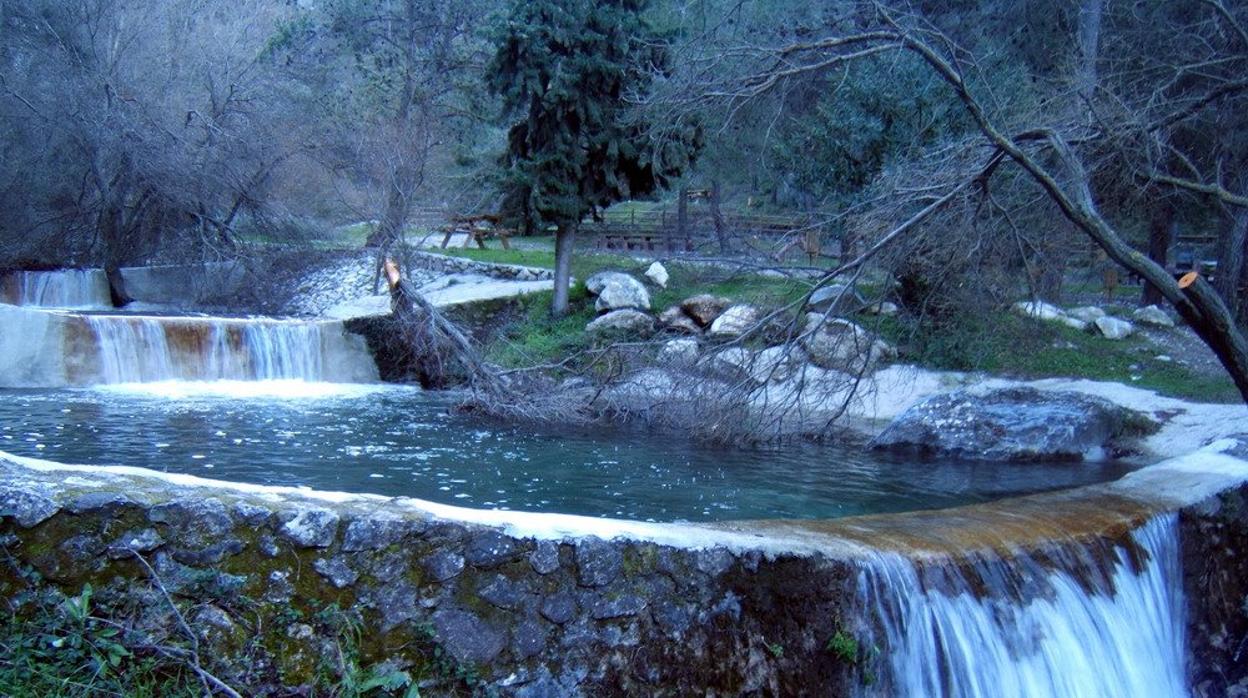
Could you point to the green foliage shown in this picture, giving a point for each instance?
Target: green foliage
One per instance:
(878, 110)
(565, 69)
(844, 647)
(57, 647)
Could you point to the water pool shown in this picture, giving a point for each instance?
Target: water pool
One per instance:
(405, 442)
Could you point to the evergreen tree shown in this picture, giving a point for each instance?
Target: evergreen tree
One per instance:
(565, 70)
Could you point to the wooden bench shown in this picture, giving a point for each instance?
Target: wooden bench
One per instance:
(476, 229)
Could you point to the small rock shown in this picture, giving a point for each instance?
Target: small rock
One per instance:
(714, 561)
(676, 320)
(373, 532)
(559, 608)
(620, 606)
(598, 562)
(545, 557)
(733, 362)
(397, 603)
(631, 322)
(99, 500)
(311, 528)
(27, 508)
(735, 321)
(444, 565)
(529, 638)
(1152, 315)
(501, 592)
(336, 571)
(1073, 323)
(467, 637)
(704, 309)
(490, 549)
(1113, 328)
(657, 273)
(143, 541)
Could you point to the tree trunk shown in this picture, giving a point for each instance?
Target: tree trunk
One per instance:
(1232, 248)
(1159, 243)
(564, 239)
(721, 235)
(1090, 12)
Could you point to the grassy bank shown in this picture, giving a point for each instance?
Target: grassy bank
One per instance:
(994, 341)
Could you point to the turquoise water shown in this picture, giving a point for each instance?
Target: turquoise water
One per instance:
(405, 442)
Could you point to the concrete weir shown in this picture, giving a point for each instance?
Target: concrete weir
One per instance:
(1135, 587)
(54, 348)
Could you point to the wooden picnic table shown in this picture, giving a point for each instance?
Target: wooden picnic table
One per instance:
(477, 228)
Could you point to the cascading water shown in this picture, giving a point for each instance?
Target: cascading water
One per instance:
(65, 288)
(1089, 622)
(148, 349)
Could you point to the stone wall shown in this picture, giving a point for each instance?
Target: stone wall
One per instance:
(537, 604)
(462, 265)
(524, 616)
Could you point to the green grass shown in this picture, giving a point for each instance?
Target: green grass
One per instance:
(997, 342)
(1003, 343)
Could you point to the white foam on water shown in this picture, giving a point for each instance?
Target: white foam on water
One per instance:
(1022, 628)
(288, 389)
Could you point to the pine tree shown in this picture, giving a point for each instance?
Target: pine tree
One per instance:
(565, 70)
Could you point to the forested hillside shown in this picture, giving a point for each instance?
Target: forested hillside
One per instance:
(1027, 137)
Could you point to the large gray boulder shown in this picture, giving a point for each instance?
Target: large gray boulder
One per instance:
(598, 280)
(676, 320)
(622, 291)
(836, 299)
(1012, 424)
(1113, 328)
(627, 321)
(735, 321)
(705, 308)
(841, 345)
(1152, 315)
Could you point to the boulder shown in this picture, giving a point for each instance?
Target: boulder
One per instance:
(1087, 313)
(622, 291)
(704, 308)
(1113, 328)
(597, 281)
(1012, 424)
(657, 274)
(627, 321)
(1152, 315)
(676, 320)
(1038, 310)
(733, 362)
(1073, 323)
(841, 345)
(882, 308)
(734, 321)
(835, 299)
(777, 363)
(679, 352)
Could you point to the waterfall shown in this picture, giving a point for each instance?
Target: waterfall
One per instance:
(147, 349)
(1081, 621)
(65, 288)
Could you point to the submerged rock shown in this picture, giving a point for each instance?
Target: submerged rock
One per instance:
(1014, 424)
